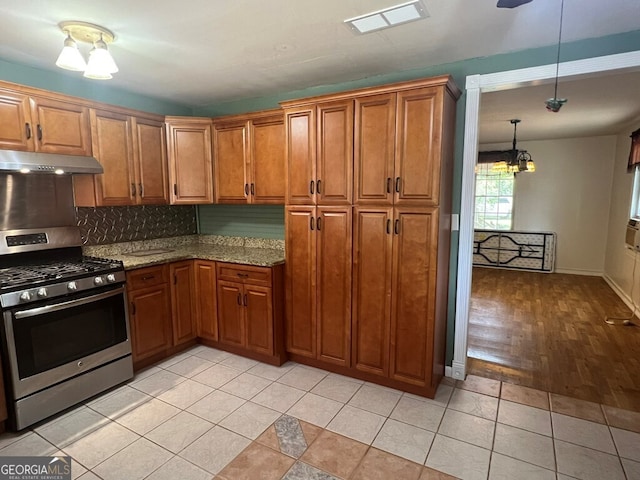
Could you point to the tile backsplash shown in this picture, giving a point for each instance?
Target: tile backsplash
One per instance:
(103, 225)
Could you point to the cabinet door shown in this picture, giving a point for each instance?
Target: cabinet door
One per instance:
(190, 162)
(267, 143)
(61, 127)
(206, 308)
(301, 155)
(150, 314)
(300, 280)
(373, 237)
(230, 313)
(418, 146)
(413, 298)
(231, 163)
(150, 158)
(259, 319)
(112, 147)
(334, 176)
(333, 264)
(183, 301)
(374, 149)
(16, 129)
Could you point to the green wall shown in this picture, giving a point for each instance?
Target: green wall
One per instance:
(256, 221)
(72, 83)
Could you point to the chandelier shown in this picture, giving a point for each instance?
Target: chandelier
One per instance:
(518, 160)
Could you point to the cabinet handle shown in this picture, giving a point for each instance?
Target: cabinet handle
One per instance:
(246, 189)
(133, 189)
(175, 189)
(311, 186)
(141, 190)
(239, 299)
(27, 128)
(388, 226)
(388, 184)
(397, 184)
(245, 300)
(39, 131)
(253, 189)
(396, 227)
(242, 275)
(148, 277)
(133, 308)
(311, 222)
(318, 185)
(319, 224)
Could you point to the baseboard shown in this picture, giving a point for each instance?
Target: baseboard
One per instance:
(619, 291)
(570, 271)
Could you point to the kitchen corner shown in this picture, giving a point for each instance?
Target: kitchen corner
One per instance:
(241, 250)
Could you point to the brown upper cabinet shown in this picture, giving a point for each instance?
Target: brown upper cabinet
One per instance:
(132, 152)
(397, 147)
(249, 162)
(319, 153)
(39, 124)
(190, 160)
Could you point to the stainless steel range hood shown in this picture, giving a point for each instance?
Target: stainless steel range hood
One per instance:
(25, 162)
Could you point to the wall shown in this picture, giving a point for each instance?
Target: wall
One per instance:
(101, 91)
(567, 194)
(102, 225)
(258, 221)
(619, 261)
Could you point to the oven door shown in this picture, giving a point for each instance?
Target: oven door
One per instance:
(51, 342)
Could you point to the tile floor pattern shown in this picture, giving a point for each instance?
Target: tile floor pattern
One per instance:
(206, 414)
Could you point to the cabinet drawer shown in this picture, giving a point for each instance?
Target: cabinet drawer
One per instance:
(147, 277)
(244, 274)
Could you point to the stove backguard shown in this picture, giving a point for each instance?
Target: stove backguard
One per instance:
(31, 201)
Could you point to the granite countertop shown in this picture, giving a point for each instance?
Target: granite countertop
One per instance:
(258, 252)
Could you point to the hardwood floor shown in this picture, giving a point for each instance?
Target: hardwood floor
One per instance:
(547, 331)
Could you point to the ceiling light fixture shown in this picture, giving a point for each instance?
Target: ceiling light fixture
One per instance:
(555, 104)
(519, 160)
(101, 65)
(388, 17)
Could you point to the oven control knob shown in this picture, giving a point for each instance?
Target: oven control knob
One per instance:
(98, 281)
(25, 296)
(72, 286)
(111, 278)
(42, 292)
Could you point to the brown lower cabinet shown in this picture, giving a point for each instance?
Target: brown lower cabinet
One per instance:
(149, 311)
(250, 310)
(233, 307)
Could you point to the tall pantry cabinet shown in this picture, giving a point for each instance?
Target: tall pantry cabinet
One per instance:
(368, 229)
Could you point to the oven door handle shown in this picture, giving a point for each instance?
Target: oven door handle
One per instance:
(61, 306)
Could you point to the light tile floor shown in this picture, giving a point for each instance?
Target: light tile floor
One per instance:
(206, 414)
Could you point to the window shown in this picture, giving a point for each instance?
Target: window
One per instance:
(494, 199)
(635, 198)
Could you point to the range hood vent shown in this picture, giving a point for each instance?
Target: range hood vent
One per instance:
(52, 163)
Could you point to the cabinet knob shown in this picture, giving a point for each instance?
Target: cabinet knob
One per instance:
(311, 222)
(397, 184)
(319, 224)
(396, 227)
(388, 184)
(312, 187)
(246, 189)
(239, 299)
(27, 129)
(140, 190)
(388, 226)
(253, 189)
(318, 185)
(133, 189)
(39, 131)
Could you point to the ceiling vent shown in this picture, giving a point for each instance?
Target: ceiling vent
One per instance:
(387, 17)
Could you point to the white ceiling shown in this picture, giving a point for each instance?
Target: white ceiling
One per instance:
(602, 105)
(201, 52)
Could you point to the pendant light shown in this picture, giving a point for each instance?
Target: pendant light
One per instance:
(555, 104)
(101, 65)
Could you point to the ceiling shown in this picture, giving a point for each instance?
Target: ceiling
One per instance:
(204, 52)
(602, 105)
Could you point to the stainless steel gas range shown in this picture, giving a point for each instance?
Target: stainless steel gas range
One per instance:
(65, 331)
